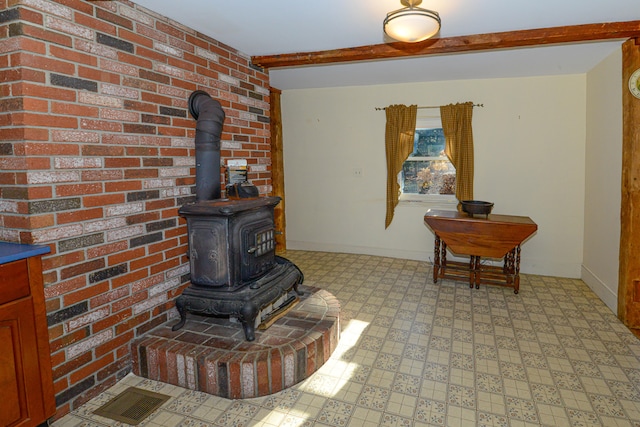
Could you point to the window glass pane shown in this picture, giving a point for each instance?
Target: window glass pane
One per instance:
(429, 177)
(428, 143)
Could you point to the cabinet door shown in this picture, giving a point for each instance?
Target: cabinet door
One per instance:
(19, 367)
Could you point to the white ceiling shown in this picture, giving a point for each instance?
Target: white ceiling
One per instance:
(261, 27)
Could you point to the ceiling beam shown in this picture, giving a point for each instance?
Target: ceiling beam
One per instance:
(472, 43)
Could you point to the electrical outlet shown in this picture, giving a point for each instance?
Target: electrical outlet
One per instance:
(357, 172)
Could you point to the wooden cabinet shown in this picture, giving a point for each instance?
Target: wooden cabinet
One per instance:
(27, 397)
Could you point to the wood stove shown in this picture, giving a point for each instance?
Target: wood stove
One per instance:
(234, 269)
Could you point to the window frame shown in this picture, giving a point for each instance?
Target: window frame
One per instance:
(432, 121)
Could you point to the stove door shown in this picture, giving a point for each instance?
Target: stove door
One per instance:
(208, 252)
(259, 248)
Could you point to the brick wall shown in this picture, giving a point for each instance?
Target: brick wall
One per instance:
(96, 157)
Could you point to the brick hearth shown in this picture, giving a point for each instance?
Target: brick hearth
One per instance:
(210, 354)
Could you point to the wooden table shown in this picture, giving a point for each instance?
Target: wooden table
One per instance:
(488, 236)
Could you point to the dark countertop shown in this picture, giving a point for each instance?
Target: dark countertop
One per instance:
(15, 251)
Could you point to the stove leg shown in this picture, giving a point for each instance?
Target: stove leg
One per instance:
(248, 314)
(183, 313)
(298, 282)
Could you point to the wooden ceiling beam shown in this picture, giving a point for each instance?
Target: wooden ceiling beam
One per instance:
(472, 43)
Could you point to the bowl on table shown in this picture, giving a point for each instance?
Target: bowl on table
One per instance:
(473, 207)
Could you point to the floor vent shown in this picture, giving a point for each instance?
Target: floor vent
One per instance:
(132, 406)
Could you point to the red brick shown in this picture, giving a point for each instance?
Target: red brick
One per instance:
(135, 60)
(109, 297)
(146, 261)
(152, 33)
(101, 125)
(121, 186)
(98, 24)
(170, 30)
(145, 107)
(86, 293)
(74, 109)
(163, 246)
(122, 162)
(60, 385)
(132, 323)
(71, 365)
(110, 321)
(135, 38)
(101, 150)
(62, 260)
(124, 256)
(142, 218)
(45, 120)
(41, 91)
(29, 223)
(101, 175)
(99, 75)
(78, 189)
(90, 369)
(48, 149)
(140, 84)
(140, 173)
(78, 216)
(62, 288)
(128, 302)
(159, 204)
(109, 199)
(142, 151)
(152, 54)
(68, 339)
(155, 98)
(113, 344)
(167, 265)
(42, 34)
(73, 55)
(171, 131)
(58, 358)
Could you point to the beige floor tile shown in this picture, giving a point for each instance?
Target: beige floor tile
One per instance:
(414, 353)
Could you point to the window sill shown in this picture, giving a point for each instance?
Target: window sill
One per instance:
(433, 202)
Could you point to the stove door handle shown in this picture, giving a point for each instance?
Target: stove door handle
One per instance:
(252, 249)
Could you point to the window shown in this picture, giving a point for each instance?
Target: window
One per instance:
(428, 173)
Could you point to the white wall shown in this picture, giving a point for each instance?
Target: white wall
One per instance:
(603, 179)
(530, 160)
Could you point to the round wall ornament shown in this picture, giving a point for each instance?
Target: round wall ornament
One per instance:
(634, 83)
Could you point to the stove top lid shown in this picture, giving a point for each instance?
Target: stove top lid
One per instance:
(227, 206)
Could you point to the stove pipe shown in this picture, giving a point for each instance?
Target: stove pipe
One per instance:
(210, 119)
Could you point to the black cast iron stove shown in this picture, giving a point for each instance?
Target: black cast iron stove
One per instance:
(234, 270)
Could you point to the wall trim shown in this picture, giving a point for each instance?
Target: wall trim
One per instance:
(604, 292)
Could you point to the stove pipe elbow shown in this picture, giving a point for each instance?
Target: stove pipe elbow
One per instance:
(210, 119)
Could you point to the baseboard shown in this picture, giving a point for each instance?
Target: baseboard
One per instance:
(604, 292)
(362, 250)
(528, 266)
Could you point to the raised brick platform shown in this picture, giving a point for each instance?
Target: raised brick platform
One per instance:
(211, 354)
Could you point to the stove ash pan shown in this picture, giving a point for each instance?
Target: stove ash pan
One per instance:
(234, 269)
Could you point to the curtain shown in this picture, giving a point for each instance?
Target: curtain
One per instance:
(399, 134)
(456, 125)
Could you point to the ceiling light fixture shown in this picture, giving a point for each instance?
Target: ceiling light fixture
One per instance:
(411, 24)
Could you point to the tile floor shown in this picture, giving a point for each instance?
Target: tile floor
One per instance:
(414, 353)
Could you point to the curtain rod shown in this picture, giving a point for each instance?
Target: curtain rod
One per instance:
(429, 106)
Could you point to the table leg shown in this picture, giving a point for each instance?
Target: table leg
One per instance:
(508, 269)
(472, 271)
(516, 267)
(436, 259)
(443, 256)
(476, 268)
